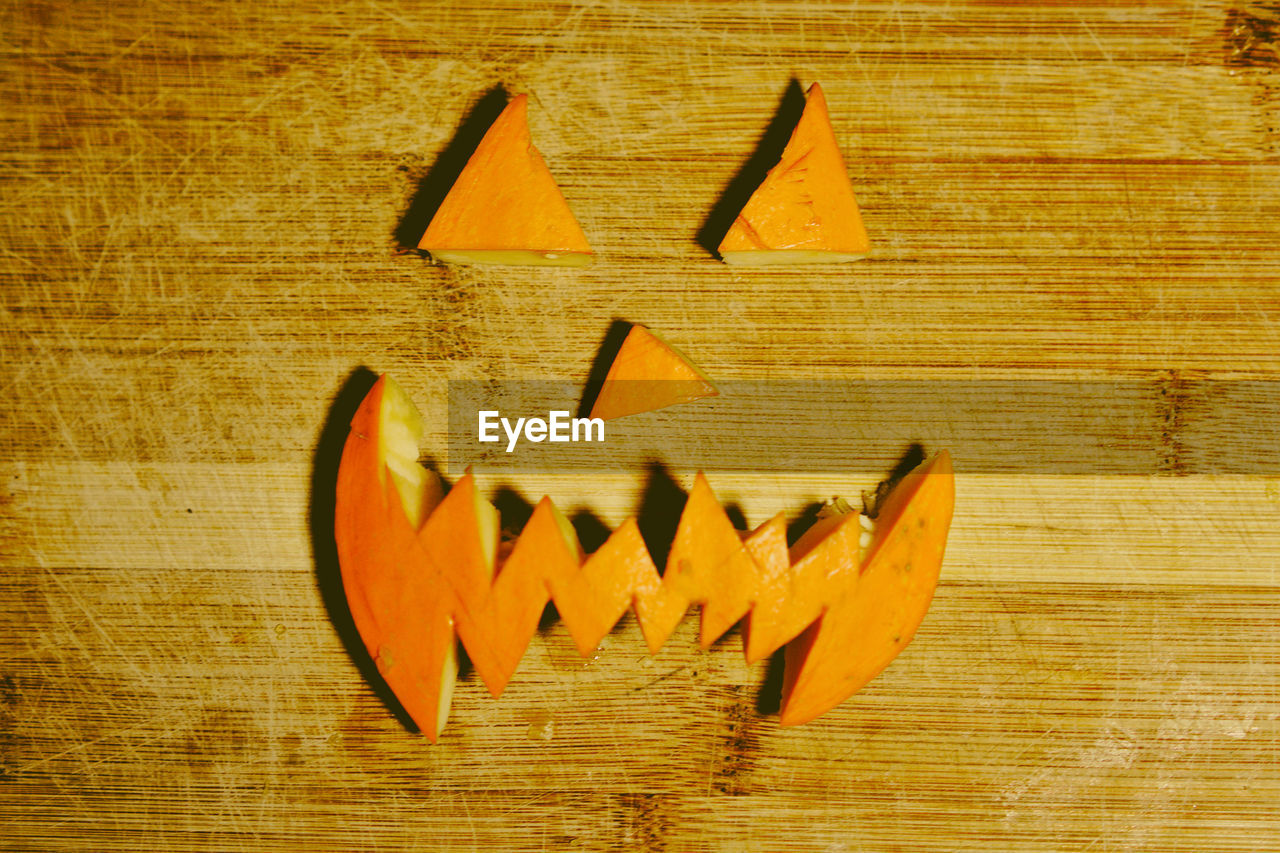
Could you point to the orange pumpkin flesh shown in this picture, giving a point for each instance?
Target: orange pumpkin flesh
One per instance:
(804, 211)
(592, 601)
(818, 569)
(844, 614)
(394, 600)
(710, 564)
(505, 207)
(460, 543)
(767, 545)
(878, 612)
(647, 374)
(547, 549)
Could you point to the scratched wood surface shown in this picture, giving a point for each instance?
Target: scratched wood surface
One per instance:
(202, 209)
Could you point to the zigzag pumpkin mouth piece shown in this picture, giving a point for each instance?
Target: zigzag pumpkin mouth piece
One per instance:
(423, 569)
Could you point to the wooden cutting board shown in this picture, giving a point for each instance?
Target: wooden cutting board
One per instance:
(202, 211)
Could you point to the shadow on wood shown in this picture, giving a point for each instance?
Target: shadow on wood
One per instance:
(514, 510)
(769, 697)
(661, 505)
(911, 458)
(768, 152)
(439, 179)
(605, 355)
(803, 522)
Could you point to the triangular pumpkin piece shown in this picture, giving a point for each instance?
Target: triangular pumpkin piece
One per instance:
(497, 630)
(804, 211)
(593, 600)
(647, 374)
(709, 562)
(505, 207)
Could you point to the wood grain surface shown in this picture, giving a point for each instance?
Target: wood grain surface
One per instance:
(203, 212)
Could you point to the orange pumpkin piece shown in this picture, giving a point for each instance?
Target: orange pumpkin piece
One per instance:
(805, 210)
(505, 207)
(592, 601)
(647, 374)
(767, 545)
(547, 548)
(382, 498)
(415, 564)
(709, 563)
(822, 562)
(877, 614)
(460, 544)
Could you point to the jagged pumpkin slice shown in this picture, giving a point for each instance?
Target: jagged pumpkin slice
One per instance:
(415, 564)
(460, 541)
(805, 210)
(821, 563)
(547, 548)
(709, 563)
(874, 618)
(647, 374)
(592, 601)
(767, 545)
(505, 207)
(383, 497)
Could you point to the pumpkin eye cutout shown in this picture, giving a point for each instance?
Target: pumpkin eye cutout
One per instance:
(505, 207)
(804, 211)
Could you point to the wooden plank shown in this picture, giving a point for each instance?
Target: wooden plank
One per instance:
(1022, 714)
(129, 519)
(199, 262)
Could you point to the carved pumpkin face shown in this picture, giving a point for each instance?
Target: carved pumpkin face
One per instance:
(421, 571)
